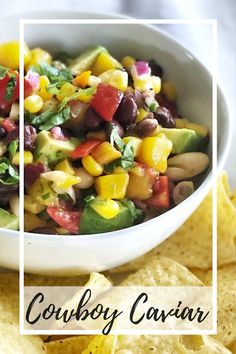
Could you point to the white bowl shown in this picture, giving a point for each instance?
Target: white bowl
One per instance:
(68, 255)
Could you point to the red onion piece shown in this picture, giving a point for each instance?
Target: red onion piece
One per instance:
(33, 79)
(58, 134)
(32, 172)
(142, 68)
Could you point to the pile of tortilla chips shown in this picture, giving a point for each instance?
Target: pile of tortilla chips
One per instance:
(184, 259)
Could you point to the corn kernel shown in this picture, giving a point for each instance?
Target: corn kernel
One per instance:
(43, 84)
(105, 62)
(136, 143)
(82, 79)
(92, 166)
(107, 208)
(118, 170)
(65, 166)
(115, 78)
(156, 84)
(38, 56)
(32, 205)
(28, 158)
(198, 128)
(141, 115)
(105, 153)
(33, 103)
(66, 90)
(10, 55)
(112, 186)
(169, 90)
(127, 62)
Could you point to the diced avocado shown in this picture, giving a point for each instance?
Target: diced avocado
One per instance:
(183, 140)
(92, 222)
(8, 221)
(86, 60)
(50, 150)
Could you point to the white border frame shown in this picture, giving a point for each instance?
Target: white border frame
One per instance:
(213, 23)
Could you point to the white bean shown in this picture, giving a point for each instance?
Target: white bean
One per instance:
(14, 204)
(182, 191)
(86, 179)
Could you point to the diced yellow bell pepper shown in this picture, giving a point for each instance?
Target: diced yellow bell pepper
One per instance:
(169, 90)
(65, 166)
(61, 179)
(198, 128)
(105, 153)
(99, 134)
(82, 79)
(83, 96)
(154, 152)
(10, 55)
(127, 62)
(32, 205)
(112, 186)
(32, 221)
(66, 90)
(143, 84)
(42, 192)
(142, 113)
(136, 143)
(115, 78)
(28, 158)
(92, 166)
(43, 84)
(38, 56)
(139, 187)
(118, 170)
(107, 208)
(105, 62)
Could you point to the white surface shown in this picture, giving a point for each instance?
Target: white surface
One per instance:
(70, 255)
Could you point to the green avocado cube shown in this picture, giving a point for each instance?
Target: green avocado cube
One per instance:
(8, 221)
(183, 140)
(86, 60)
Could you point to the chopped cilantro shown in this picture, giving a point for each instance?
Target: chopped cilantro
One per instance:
(8, 175)
(46, 196)
(3, 72)
(13, 146)
(10, 88)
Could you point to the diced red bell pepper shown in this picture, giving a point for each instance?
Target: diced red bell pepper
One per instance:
(28, 88)
(8, 125)
(85, 148)
(106, 101)
(5, 104)
(69, 220)
(161, 197)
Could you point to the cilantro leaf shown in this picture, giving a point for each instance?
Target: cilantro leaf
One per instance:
(135, 212)
(8, 175)
(10, 88)
(56, 119)
(55, 76)
(13, 146)
(3, 72)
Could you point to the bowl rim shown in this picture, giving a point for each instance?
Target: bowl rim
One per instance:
(204, 186)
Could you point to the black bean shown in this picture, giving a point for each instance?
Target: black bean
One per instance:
(155, 68)
(29, 137)
(3, 132)
(164, 117)
(146, 127)
(92, 121)
(14, 134)
(127, 111)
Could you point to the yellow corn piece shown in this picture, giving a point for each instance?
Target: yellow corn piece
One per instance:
(136, 143)
(65, 166)
(105, 153)
(32, 205)
(28, 158)
(105, 62)
(118, 170)
(198, 128)
(139, 187)
(38, 56)
(42, 192)
(32, 221)
(82, 79)
(156, 84)
(115, 78)
(61, 179)
(127, 62)
(43, 84)
(143, 84)
(112, 186)
(92, 166)
(10, 55)
(169, 90)
(99, 134)
(141, 115)
(33, 103)
(154, 152)
(107, 208)
(84, 96)
(66, 90)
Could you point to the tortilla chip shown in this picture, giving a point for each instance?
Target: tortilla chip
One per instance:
(191, 244)
(101, 345)
(233, 198)
(72, 345)
(169, 345)
(9, 298)
(232, 348)
(203, 275)
(162, 271)
(41, 280)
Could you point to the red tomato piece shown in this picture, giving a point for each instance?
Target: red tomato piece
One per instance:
(106, 101)
(28, 88)
(69, 220)
(9, 125)
(5, 103)
(85, 148)
(160, 199)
